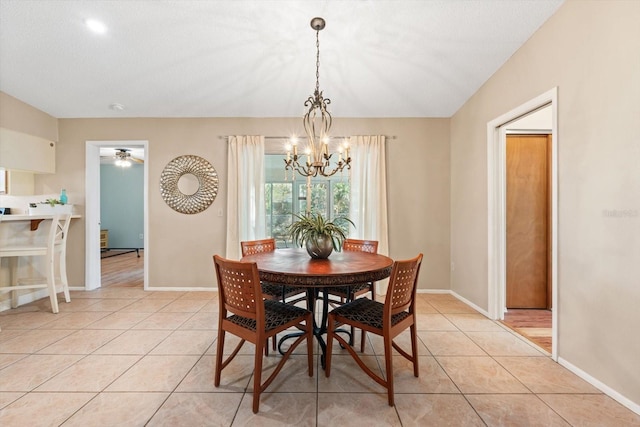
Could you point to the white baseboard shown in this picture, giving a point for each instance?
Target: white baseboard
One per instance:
(635, 407)
(450, 292)
(469, 303)
(24, 298)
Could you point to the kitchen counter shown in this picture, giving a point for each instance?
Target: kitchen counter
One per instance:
(35, 219)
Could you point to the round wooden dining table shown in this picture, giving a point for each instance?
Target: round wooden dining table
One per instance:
(294, 267)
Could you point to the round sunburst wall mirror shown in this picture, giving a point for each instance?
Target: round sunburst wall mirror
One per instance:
(189, 184)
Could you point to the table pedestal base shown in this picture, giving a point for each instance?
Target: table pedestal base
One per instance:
(319, 329)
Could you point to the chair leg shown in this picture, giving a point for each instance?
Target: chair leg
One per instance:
(309, 322)
(63, 276)
(388, 360)
(352, 337)
(219, 352)
(51, 284)
(257, 375)
(273, 345)
(363, 339)
(13, 266)
(414, 349)
(330, 333)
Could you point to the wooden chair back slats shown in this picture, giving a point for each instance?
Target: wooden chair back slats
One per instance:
(250, 247)
(370, 246)
(402, 285)
(238, 287)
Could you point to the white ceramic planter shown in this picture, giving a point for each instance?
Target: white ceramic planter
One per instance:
(47, 209)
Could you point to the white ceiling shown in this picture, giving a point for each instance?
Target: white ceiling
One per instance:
(403, 58)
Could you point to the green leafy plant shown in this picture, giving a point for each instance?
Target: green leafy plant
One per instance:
(53, 202)
(313, 226)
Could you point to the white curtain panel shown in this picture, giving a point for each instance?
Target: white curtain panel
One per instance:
(368, 209)
(245, 192)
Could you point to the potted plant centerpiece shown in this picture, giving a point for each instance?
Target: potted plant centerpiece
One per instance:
(319, 236)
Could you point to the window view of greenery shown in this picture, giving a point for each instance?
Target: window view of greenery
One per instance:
(283, 198)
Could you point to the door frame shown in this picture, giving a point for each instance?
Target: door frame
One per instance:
(93, 271)
(496, 204)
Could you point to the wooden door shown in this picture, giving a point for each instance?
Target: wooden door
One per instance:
(528, 221)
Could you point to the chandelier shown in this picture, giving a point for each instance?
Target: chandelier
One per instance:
(317, 124)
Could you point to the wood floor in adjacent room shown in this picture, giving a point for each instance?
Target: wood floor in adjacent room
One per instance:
(123, 268)
(535, 325)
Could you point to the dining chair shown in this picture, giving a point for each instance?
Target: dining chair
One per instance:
(272, 290)
(369, 246)
(245, 313)
(54, 247)
(346, 294)
(387, 320)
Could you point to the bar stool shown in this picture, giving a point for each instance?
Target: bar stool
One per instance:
(56, 245)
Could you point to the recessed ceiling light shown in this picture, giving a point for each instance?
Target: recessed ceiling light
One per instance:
(116, 107)
(96, 26)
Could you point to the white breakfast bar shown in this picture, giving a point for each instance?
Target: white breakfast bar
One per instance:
(22, 231)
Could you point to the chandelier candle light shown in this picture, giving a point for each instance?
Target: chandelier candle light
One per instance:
(317, 124)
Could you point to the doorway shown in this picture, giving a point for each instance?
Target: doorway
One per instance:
(497, 131)
(93, 227)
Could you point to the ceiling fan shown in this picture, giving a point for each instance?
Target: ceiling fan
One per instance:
(123, 158)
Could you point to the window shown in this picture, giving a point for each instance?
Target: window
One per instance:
(283, 198)
(3, 181)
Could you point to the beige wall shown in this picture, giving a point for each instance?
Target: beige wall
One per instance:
(181, 246)
(589, 50)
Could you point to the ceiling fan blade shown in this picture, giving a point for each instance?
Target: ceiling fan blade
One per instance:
(133, 159)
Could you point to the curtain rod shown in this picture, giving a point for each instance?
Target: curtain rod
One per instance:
(287, 137)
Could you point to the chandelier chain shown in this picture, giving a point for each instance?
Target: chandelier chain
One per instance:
(317, 61)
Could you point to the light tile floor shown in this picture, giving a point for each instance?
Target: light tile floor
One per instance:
(125, 357)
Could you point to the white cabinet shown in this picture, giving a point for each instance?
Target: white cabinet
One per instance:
(20, 183)
(23, 152)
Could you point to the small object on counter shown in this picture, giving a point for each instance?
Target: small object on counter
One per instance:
(63, 197)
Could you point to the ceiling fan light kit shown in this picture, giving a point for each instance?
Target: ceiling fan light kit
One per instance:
(124, 159)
